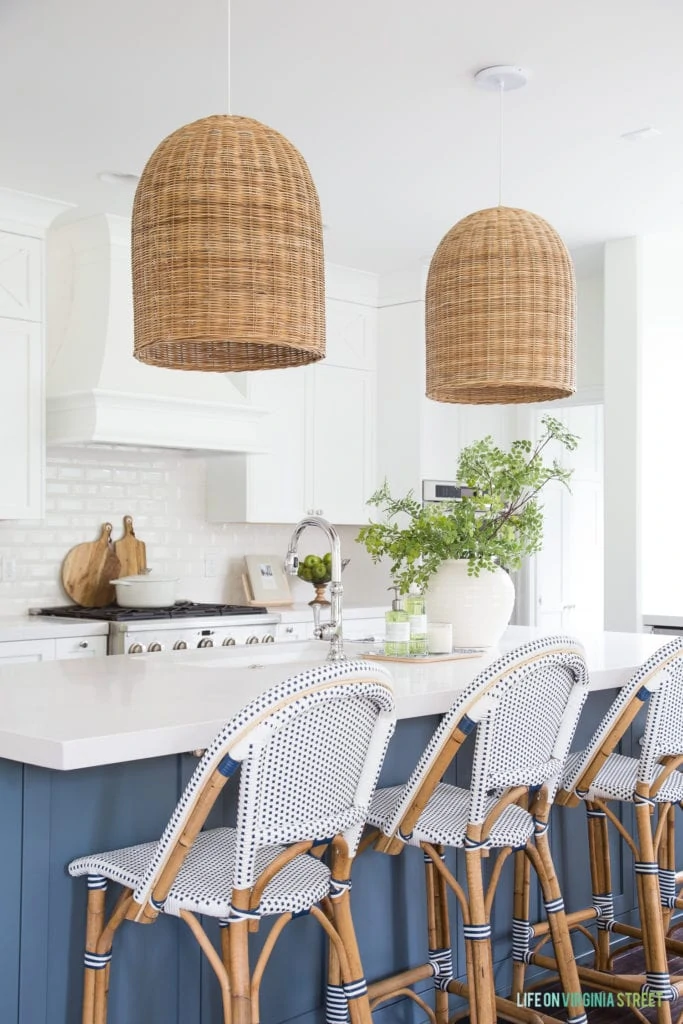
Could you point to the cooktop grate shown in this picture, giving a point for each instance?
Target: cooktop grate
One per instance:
(179, 610)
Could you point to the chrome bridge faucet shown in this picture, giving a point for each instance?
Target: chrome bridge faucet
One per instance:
(331, 630)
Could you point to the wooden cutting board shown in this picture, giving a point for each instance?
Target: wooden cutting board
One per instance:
(88, 569)
(130, 551)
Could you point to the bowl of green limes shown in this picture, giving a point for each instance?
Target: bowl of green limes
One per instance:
(317, 569)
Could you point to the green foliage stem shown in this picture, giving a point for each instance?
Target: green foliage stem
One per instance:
(500, 524)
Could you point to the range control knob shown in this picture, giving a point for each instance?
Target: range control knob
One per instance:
(252, 639)
(180, 645)
(229, 641)
(136, 649)
(155, 646)
(268, 639)
(206, 641)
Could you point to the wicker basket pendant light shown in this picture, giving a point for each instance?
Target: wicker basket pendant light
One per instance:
(500, 312)
(227, 246)
(501, 304)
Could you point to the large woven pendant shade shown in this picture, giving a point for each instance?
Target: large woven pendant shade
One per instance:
(227, 251)
(501, 311)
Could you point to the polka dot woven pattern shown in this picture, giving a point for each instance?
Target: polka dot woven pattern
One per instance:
(204, 883)
(444, 820)
(526, 705)
(310, 750)
(659, 680)
(617, 779)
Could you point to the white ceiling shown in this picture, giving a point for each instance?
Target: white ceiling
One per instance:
(377, 94)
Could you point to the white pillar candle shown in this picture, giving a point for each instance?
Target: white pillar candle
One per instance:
(439, 637)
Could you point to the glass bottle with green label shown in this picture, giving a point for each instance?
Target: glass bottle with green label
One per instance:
(397, 639)
(417, 618)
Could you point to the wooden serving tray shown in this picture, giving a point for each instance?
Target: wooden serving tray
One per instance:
(424, 659)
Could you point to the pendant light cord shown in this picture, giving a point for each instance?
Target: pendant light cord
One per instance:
(229, 57)
(501, 91)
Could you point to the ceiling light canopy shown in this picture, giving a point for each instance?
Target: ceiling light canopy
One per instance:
(227, 251)
(500, 306)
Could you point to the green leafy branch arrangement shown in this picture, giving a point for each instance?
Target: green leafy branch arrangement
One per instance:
(499, 524)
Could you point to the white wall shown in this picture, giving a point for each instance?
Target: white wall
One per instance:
(662, 424)
(165, 494)
(590, 315)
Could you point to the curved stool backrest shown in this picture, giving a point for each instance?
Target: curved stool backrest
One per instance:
(310, 751)
(526, 705)
(660, 677)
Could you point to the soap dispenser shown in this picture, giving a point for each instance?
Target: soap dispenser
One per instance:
(417, 617)
(397, 640)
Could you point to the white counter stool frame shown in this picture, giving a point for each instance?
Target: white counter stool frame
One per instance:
(598, 776)
(525, 707)
(310, 751)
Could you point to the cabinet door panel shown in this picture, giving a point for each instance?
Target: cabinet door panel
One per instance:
(26, 650)
(21, 420)
(81, 647)
(343, 442)
(20, 277)
(276, 481)
(351, 332)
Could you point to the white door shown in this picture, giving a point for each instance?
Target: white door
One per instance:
(568, 574)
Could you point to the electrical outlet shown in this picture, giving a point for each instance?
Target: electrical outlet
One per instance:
(211, 565)
(8, 567)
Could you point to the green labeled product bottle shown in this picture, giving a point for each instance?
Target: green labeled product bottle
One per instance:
(417, 618)
(397, 639)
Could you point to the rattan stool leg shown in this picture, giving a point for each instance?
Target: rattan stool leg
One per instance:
(239, 973)
(651, 921)
(483, 985)
(355, 986)
(93, 929)
(520, 923)
(336, 1007)
(439, 937)
(601, 881)
(667, 859)
(557, 919)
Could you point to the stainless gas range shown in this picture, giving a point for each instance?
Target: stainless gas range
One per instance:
(183, 626)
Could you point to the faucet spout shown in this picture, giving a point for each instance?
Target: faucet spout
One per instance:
(332, 630)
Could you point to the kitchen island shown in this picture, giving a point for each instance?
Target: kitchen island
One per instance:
(93, 755)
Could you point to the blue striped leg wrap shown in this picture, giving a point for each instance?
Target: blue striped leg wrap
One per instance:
(638, 798)
(554, 906)
(242, 915)
(336, 1006)
(356, 989)
(522, 933)
(646, 867)
(603, 904)
(476, 932)
(658, 984)
(338, 886)
(541, 827)
(667, 888)
(581, 1019)
(97, 882)
(96, 961)
(441, 963)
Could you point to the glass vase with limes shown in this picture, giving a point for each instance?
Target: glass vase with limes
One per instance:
(317, 569)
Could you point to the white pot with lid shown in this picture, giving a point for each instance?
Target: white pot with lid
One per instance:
(145, 591)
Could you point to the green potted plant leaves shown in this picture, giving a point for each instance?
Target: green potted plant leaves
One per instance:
(461, 552)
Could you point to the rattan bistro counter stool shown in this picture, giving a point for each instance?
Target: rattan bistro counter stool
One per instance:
(525, 707)
(598, 777)
(310, 751)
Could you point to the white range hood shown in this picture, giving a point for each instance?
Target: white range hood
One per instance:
(97, 393)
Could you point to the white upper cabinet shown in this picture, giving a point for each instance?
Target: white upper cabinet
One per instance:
(23, 221)
(320, 431)
(20, 277)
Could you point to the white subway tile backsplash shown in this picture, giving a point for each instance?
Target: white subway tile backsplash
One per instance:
(165, 494)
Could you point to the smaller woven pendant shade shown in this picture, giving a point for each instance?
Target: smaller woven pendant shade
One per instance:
(227, 251)
(501, 312)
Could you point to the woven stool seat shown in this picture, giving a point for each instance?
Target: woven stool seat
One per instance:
(445, 818)
(204, 883)
(617, 779)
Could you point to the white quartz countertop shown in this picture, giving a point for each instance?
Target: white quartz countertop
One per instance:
(48, 627)
(670, 621)
(80, 713)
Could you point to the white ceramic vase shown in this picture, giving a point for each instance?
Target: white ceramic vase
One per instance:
(478, 607)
